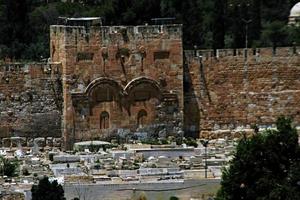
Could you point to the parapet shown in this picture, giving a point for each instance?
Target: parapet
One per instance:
(29, 68)
(251, 53)
(144, 32)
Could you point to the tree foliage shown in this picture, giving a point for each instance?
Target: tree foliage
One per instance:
(24, 24)
(8, 167)
(47, 190)
(265, 166)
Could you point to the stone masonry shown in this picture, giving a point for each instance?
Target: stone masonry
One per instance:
(30, 103)
(227, 93)
(118, 77)
(103, 80)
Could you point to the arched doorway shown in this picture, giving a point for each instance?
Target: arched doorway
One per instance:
(104, 120)
(141, 118)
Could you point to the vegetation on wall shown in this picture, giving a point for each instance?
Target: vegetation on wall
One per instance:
(24, 24)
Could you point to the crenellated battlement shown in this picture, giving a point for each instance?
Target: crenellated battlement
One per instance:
(254, 54)
(109, 34)
(229, 90)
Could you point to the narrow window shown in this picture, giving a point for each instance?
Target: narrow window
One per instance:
(141, 118)
(104, 120)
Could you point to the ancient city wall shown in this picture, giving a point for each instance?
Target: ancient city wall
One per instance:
(227, 93)
(139, 76)
(30, 103)
(118, 77)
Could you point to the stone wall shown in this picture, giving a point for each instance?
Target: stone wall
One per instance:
(119, 78)
(226, 93)
(30, 102)
(102, 80)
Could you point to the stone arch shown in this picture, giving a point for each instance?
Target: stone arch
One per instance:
(104, 90)
(102, 81)
(145, 85)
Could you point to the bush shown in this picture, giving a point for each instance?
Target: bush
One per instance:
(190, 142)
(46, 190)
(265, 166)
(7, 167)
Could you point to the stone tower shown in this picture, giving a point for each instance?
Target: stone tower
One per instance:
(118, 77)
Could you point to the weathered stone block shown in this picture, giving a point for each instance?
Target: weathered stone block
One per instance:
(40, 142)
(30, 142)
(18, 141)
(57, 142)
(49, 141)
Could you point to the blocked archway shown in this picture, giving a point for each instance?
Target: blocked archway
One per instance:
(103, 81)
(143, 88)
(141, 118)
(103, 90)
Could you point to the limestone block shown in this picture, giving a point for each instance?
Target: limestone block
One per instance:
(16, 141)
(40, 141)
(49, 141)
(57, 142)
(30, 142)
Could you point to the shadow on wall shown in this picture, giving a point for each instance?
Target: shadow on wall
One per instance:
(191, 105)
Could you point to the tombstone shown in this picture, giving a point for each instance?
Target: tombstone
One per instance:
(40, 141)
(19, 152)
(35, 148)
(56, 142)
(162, 133)
(49, 142)
(18, 141)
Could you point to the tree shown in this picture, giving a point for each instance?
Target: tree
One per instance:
(264, 166)
(24, 24)
(274, 33)
(235, 18)
(16, 30)
(219, 24)
(294, 35)
(7, 167)
(255, 25)
(47, 190)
